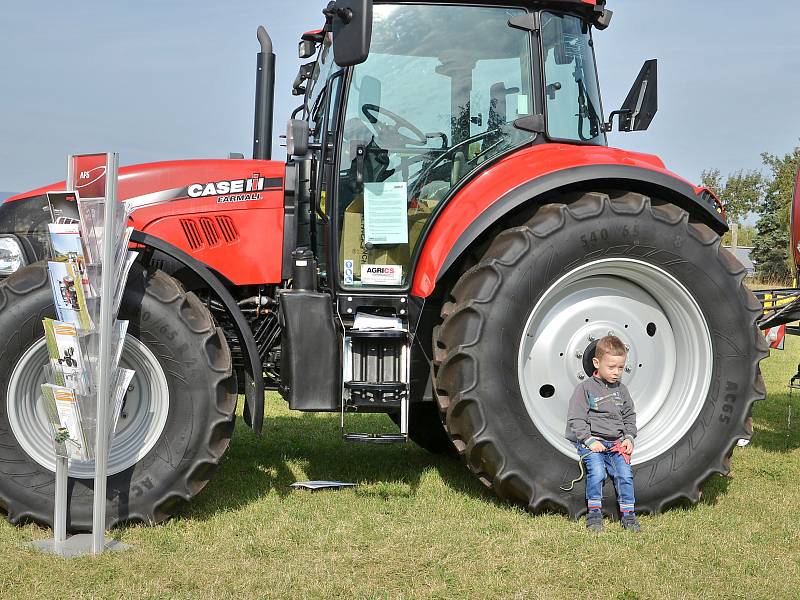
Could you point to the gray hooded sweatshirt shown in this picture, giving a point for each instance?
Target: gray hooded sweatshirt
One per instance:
(599, 410)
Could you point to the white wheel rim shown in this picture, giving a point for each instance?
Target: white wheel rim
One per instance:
(670, 371)
(140, 425)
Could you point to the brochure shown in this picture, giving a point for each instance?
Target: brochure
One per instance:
(66, 356)
(68, 430)
(69, 295)
(63, 206)
(65, 242)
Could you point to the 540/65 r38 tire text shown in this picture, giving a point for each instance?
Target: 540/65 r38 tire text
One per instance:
(518, 334)
(176, 423)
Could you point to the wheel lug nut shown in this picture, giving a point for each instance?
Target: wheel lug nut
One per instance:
(579, 355)
(592, 338)
(610, 332)
(627, 347)
(627, 369)
(581, 376)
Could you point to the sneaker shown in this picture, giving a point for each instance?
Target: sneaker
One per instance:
(594, 521)
(630, 523)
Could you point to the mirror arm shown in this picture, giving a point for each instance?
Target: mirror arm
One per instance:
(607, 127)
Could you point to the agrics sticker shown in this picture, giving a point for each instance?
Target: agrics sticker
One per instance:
(382, 274)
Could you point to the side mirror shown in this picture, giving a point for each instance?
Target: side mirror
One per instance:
(296, 138)
(641, 104)
(306, 49)
(351, 23)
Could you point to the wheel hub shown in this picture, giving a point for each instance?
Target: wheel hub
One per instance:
(668, 367)
(140, 425)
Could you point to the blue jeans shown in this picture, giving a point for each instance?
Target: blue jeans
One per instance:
(598, 464)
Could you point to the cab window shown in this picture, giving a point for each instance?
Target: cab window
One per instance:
(422, 113)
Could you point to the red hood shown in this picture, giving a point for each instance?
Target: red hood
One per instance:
(143, 179)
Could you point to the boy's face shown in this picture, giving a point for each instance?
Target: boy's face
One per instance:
(610, 366)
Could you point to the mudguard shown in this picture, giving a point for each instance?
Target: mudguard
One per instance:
(533, 175)
(254, 380)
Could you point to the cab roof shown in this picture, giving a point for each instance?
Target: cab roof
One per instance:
(592, 10)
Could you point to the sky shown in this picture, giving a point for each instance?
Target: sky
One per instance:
(156, 80)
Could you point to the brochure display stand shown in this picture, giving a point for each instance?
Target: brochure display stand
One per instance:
(85, 387)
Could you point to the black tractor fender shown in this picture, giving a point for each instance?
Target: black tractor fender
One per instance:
(702, 206)
(254, 379)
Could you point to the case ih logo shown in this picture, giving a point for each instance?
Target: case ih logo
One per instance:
(247, 189)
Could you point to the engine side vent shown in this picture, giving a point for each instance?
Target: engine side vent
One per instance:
(192, 233)
(209, 231)
(228, 229)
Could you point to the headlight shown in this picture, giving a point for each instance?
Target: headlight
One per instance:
(11, 256)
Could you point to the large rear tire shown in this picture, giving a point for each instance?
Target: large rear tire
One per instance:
(521, 323)
(178, 415)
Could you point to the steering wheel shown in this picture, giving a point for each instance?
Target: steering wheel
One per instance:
(391, 128)
(436, 162)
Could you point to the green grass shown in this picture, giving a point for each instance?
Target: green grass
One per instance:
(419, 526)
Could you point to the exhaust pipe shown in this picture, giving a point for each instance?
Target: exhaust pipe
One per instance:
(265, 93)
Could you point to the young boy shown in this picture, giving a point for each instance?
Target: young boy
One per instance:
(601, 416)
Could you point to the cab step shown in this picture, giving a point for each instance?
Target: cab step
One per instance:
(376, 376)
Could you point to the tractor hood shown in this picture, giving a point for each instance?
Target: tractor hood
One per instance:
(205, 207)
(148, 184)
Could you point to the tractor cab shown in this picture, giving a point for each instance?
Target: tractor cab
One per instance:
(404, 104)
(394, 136)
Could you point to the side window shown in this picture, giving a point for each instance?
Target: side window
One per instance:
(574, 112)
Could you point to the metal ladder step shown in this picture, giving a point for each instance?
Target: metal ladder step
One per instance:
(375, 438)
(368, 386)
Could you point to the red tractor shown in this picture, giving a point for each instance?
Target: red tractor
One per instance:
(447, 240)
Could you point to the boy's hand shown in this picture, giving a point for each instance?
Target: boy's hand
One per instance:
(627, 446)
(598, 447)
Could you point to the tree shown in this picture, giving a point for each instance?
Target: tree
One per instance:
(746, 237)
(770, 249)
(774, 212)
(741, 193)
(781, 184)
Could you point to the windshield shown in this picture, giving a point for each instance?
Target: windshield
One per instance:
(572, 96)
(436, 98)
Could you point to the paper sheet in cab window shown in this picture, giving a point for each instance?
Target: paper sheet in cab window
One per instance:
(385, 215)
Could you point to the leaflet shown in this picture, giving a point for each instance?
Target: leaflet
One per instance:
(65, 242)
(385, 213)
(66, 356)
(63, 206)
(66, 281)
(68, 429)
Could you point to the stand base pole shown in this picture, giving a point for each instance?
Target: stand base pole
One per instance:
(77, 545)
(60, 511)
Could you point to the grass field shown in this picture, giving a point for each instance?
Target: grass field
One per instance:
(418, 526)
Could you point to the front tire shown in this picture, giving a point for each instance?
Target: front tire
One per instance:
(177, 422)
(521, 323)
